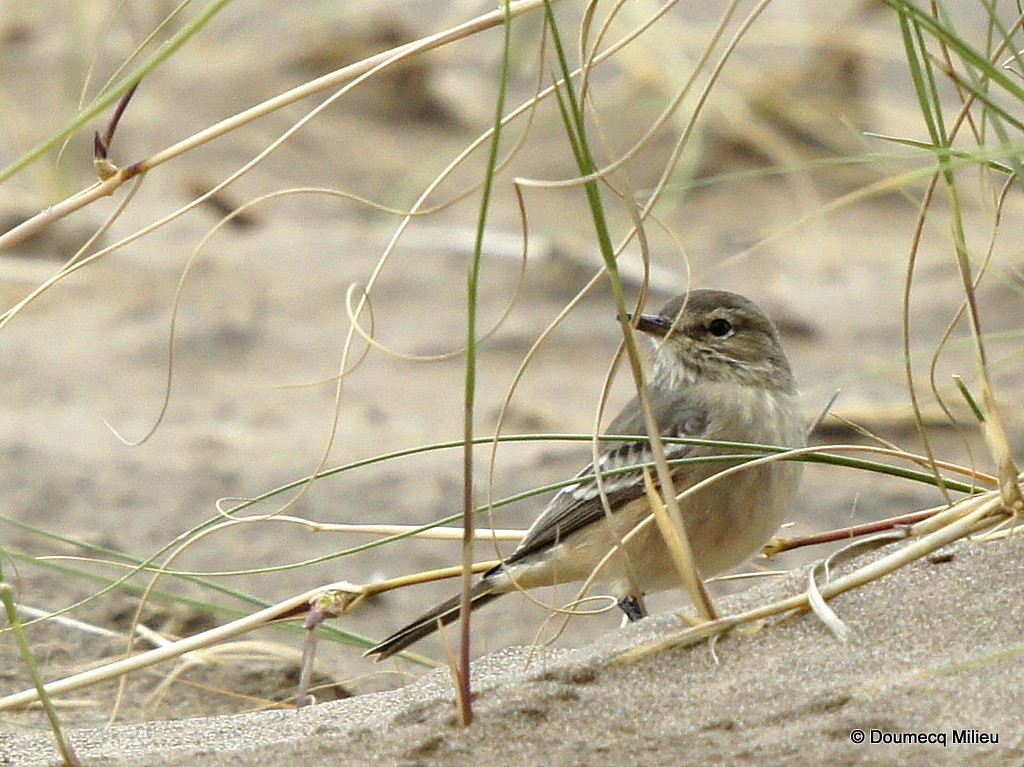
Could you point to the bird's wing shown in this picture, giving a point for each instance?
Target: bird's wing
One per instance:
(577, 505)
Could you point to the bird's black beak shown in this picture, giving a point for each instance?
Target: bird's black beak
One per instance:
(652, 324)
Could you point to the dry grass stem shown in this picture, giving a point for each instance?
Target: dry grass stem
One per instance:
(678, 545)
(410, 531)
(969, 516)
(181, 647)
(333, 601)
(345, 75)
(778, 545)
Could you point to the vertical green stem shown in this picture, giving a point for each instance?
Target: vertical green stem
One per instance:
(919, 63)
(468, 504)
(7, 596)
(572, 114)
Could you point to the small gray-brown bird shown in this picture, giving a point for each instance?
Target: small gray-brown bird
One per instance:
(719, 374)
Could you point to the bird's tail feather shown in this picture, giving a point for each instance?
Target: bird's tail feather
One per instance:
(427, 624)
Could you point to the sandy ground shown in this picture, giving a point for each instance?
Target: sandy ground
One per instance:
(936, 632)
(263, 310)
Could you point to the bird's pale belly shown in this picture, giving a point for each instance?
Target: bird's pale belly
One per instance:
(728, 522)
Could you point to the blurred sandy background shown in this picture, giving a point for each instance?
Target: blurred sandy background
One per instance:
(264, 306)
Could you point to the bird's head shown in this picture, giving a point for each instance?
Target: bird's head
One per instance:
(715, 335)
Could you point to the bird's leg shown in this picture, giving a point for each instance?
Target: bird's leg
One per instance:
(633, 606)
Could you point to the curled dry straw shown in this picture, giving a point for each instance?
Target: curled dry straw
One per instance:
(969, 516)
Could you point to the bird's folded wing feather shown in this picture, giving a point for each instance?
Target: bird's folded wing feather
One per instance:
(579, 504)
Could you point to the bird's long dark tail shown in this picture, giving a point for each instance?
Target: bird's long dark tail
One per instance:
(427, 624)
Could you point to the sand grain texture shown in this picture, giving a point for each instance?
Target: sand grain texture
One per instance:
(935, 648)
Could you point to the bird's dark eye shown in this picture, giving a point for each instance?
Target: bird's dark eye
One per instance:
(720, 327)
